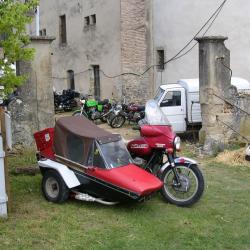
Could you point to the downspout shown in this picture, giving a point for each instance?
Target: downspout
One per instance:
(37, 21)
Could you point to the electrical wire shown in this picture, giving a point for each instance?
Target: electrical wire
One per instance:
(229, 126)
(178, 55)
(210, 25)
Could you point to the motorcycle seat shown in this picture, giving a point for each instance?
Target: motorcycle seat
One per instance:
(105, 101)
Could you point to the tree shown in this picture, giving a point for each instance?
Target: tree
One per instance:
(14, 15)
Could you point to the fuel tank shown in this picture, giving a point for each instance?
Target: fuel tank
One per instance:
(139, 147)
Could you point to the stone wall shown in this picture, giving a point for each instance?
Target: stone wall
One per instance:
(33, 109)
(222, 121)
(136, 48)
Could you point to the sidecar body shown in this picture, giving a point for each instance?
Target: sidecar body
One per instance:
(79, 158)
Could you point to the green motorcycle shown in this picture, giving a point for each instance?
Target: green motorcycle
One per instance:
(94, 110)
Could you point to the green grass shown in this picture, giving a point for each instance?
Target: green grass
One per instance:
(221, 220)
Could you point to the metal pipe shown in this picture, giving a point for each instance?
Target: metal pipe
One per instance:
(37, 20)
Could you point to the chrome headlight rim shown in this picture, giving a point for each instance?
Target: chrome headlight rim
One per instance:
(177, 143)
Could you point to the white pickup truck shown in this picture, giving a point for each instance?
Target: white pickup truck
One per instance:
(180, 101)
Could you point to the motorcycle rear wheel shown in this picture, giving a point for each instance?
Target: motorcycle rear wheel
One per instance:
(190, 190)
(117, 121)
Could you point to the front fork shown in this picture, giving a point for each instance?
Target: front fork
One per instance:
(172, 164)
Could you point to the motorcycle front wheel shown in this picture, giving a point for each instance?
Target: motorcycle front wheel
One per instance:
(78, 113)
(117, 121)
(190, 188)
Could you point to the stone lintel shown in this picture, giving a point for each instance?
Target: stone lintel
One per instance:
(48, 39)
(211, 39)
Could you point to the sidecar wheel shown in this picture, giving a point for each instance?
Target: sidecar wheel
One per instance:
(191, 189)
(53, 187)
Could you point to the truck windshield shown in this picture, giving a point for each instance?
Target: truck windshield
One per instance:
(154, 114)
(159, 94)
(115, 154)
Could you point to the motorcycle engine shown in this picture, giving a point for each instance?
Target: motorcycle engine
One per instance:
(139, 161)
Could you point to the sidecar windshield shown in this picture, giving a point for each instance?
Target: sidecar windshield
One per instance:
(115, 154)
(154, 115)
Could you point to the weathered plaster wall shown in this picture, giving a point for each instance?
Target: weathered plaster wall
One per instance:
(93, 45)
(175, 23)
(33, 110)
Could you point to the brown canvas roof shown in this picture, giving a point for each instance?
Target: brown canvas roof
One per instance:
(74, 138)
(83, 127)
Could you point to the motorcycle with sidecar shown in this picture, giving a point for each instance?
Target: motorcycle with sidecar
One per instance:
(156, 151)
(78, 159)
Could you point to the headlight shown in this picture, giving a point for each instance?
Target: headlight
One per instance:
(177, 143)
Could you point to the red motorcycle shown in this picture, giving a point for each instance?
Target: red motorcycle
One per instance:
(156, 151)
(131, 112)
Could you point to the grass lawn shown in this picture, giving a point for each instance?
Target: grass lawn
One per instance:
(221, 220)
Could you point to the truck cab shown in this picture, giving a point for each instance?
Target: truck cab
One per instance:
(180, 103)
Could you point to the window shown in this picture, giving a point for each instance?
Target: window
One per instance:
(172, 98)
(62, 30)
(42, 32)
(86, 20)
(160, 59)
(71, 79)
(75, 148)
(93, 19)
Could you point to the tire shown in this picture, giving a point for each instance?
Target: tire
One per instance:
(53, 187)
(175, 195)
(78, 113)
(117, 121)
(110, 117)
(104, 119)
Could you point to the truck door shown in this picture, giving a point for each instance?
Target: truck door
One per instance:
(173, 104)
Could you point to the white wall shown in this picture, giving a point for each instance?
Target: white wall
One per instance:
(175, 23)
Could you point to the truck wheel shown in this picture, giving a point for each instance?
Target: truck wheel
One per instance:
(53, 187)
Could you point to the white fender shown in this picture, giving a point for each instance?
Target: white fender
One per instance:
(68, 175)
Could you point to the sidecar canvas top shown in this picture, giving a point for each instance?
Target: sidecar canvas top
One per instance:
(75, 137)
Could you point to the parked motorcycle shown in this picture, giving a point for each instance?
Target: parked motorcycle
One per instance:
(156, 151)
(131, 112)
(93, 109)
(65, 101)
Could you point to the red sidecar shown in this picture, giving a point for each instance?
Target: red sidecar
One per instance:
(79, 157)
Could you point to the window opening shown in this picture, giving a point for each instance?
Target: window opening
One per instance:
(93, 19)
(71, 79)
(87, 20)
(160, 59)
(62, 30)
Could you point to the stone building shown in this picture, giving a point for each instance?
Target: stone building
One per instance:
(97, 39)
(110, 37)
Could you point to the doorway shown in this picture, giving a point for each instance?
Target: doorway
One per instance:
(97, 87)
